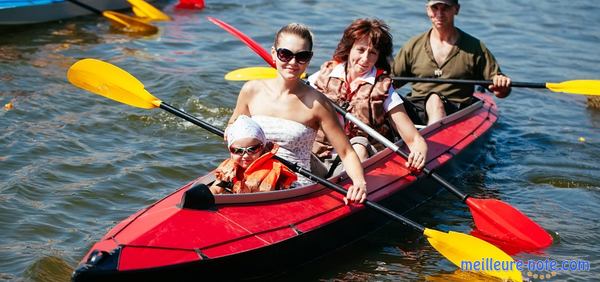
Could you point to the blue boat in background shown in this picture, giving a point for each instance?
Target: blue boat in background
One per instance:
(21, 12)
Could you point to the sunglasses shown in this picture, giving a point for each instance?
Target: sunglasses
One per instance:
(246, 150)
(286, 55)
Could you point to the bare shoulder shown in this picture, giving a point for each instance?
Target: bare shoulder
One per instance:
(317, 101)
(319, 98)
(250, 87)
(250, 90)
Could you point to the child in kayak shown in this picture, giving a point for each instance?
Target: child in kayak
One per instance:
(251, 167)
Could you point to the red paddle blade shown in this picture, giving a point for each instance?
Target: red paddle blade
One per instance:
(190, 4)
(246, 39)
(500, 221)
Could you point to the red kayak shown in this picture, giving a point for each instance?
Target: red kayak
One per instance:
(185, 236)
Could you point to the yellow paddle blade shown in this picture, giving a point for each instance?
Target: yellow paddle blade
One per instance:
(129, 24)
(251, 73)
(143, 9)
(111, 82)
(583, 87)
(473, 254)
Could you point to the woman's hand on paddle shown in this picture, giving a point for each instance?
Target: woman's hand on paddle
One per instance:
(357, 193)
(416, 143)
(416, 160)
(501, 85)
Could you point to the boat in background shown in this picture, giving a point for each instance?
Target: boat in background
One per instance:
(21, 12)
(259, 235)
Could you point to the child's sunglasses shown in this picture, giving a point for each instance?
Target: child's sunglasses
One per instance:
(286, 55)
(246, 150)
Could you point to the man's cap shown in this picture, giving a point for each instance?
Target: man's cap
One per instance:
(446, 2)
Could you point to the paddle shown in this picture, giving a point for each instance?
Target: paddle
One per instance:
(251, 73)
(144, 10)
(259, 50)
(123, 22)
(190, 4)
(581, 87)
(114, 83)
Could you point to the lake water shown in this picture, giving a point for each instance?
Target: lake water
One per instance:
(73, 164)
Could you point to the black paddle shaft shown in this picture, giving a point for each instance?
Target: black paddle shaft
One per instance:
(86, 6)
(294, 167)
(465, 81)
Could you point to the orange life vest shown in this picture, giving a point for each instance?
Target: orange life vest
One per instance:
(365, 103)
(263, 174)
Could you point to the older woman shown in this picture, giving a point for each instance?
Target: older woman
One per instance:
(357, 79)
(290, 112)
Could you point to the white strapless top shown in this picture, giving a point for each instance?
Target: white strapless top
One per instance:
(295, 141)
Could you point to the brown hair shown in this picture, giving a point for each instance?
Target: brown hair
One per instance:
(376, 30)
(297, 29)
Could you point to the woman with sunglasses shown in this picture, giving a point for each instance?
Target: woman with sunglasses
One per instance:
(290, 112)
(357, 79)
(250, 167)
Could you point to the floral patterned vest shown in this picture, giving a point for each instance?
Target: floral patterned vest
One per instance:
(365, 103)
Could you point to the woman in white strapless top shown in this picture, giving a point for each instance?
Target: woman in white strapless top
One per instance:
(290, 111)
(295, 141)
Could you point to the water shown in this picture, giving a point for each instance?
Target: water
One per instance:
(73, 164)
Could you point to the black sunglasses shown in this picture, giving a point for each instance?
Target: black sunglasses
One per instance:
(286, 55)
(247, 150)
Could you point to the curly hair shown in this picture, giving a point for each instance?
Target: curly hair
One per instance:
(376, 30)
